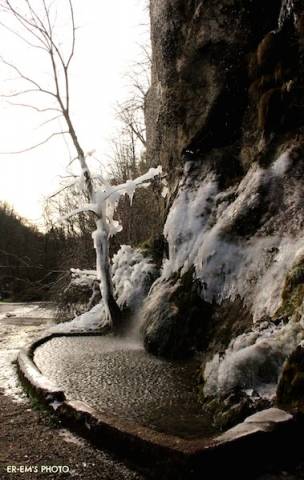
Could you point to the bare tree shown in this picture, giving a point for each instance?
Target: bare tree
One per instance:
(143, 220)
(35, 26)
(131, 111)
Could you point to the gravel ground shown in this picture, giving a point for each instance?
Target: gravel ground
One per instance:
(29, 438)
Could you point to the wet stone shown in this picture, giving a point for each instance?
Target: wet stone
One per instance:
(120, 378)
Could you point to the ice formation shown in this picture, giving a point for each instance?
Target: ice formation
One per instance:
(201, 232)
(93, 320)
(196, 230)
(132, 275)
(253, 361)
(103, 203)
(83, 277)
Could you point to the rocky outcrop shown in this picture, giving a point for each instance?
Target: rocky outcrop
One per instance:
(199, 78)
(225, 119)
(176, 329)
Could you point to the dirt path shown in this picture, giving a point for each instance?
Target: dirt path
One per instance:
(29, 438)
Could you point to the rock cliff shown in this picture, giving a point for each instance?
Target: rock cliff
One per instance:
(225, 118)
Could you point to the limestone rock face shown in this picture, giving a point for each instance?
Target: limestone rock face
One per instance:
(225, 119)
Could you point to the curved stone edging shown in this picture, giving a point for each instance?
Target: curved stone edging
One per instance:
(169, 456)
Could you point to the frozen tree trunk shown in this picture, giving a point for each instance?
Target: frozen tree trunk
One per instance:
(100, 236)
(103, 267)
(101, 245)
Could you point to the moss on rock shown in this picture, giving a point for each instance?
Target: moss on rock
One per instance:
(293, 292)
(290, 392)
(156, 248)
(226, 412)
(175, 317)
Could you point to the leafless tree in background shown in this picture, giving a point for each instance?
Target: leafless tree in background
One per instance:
(143, 221)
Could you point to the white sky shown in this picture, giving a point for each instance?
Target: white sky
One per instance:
(108, 42)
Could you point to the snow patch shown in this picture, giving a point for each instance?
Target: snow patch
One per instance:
(93, 321)
(15, 336)
(83, 278)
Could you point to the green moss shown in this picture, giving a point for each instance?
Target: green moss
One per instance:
(226, 412)
(293, 292)
(290, 392)
(174, 324)
(47, 416)
(154, 248)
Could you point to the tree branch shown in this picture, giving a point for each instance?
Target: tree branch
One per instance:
(37, 145)
(33, 107)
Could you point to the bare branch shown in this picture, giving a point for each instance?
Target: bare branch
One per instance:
(21, 75)
(50, 120)
(27, 25)
(39, 110)
(8, 254)
(61, 190)
(30, 90)
(21, 37)
(73, 34)
(35, 146)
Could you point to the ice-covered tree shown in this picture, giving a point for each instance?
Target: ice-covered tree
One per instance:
(103, 205)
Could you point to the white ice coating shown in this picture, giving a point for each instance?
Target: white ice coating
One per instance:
(282, 164)
(187, 224)
(104, 202)
(253, 361)
(93, 321)
(132, 275)
(82, 277)
(230, 267)
(253, 269)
